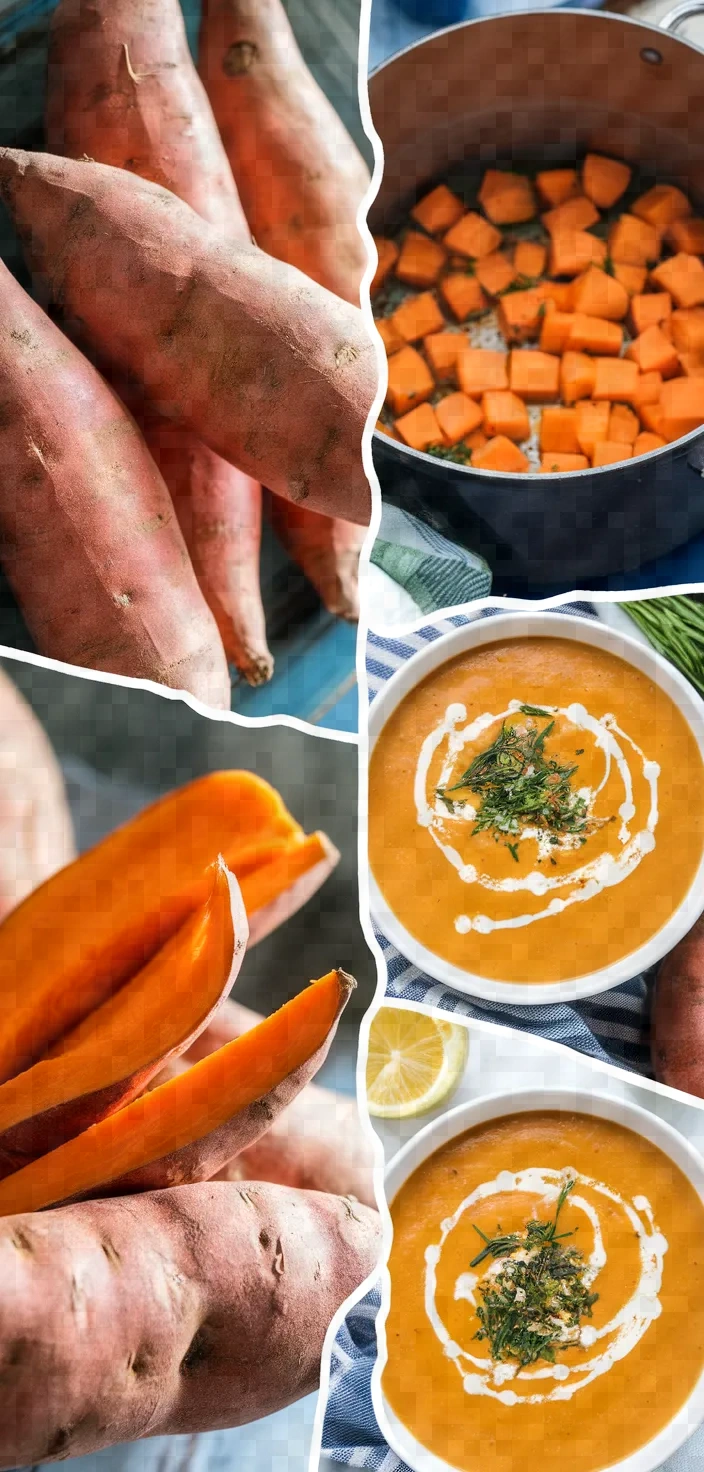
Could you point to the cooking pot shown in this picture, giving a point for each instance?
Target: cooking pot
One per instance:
(547, 85)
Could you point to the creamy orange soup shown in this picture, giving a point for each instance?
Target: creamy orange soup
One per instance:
(528, 902)
(621, 1372)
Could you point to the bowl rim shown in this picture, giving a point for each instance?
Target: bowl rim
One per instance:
(485, 630)
(487, 1107)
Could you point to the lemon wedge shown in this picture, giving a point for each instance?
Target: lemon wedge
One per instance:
(414, 1062)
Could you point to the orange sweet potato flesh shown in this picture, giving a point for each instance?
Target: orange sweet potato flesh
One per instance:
(92, 926)
(327, 550)
(111, 1056)
(188, 1128)
(248, 339)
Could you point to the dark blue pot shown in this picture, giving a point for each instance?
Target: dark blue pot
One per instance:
(435, 12)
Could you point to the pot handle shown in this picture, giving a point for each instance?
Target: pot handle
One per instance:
(674, 17)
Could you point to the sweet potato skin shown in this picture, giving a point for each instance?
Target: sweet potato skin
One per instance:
(273, 372)
(677, 1042)
(158, 1315)
(88, 536)
(36, 833)
(327, 550)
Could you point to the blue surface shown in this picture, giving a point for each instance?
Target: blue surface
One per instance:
(314, 677)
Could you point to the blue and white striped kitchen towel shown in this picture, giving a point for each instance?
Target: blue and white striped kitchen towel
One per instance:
(613, 1026)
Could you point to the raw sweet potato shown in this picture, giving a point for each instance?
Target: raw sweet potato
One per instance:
(604, 180)
(683, 276)
(417, 317)
(441, 349)
(387, 256)
(110, 1057)
(463, 295)
(576, 213)
(556, 185)
(661, 205)
(506, 198)
(473, 236)
(534, 376)
(185, 1297)
(188, 1128)
(556, 462)
(596, 294)
(634, 241)
(123, 90)
(505, 414)
(419, 428)
(88, 536)
(225, 338)
(457, 416)
(299, 175)
(678, 1058)
(495, 272)
(607, 452)
(654, 353)
(438, 210)
(137, 887)
(481, 369)
(409, 381)
(327, 550)
(36, 833)
(558, 431)
(421, 260)
(501, 454)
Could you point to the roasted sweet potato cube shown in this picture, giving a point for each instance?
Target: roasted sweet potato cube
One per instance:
(387, 254)
(573, 251)
(575, 214)
(608, 453)
(650, 309)
(410, 381)
(647, 390)
(662, 205)
(534, 376)
(681, 406)
(604, 180)
(592, 424)
(557, 463)
(386, 429)
(392, 340)
(596, 294)
(683, 277)
(438, 210)
(687, 329)
(558, 430)
(463, 295)
(615, 378)
(557, 185)
(559, 294)
(646, 442)
(481, 369)
(441, 349)
(421, 260)
(504, 413)
(417, 316)
(507, 199)
(692, 364)
(555, 331)
(420, 428)
(530, 259)
(520, 314)
(595, 335)
(458, 416)
(476, 440)
(687, 236)
(632, 277)
(501, 454)
(624, 425)
(473, 236)
(495, 272)
(654, 353)
(650, 416)
(634, 241)
(577, 374)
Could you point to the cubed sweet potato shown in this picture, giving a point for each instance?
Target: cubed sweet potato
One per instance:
(438, 210)
(604, 180)
(682, 407)
(575, 214)
(391, 338)
(692, 364)
(529, 259)
(595, 335)
(505, 414)
(687, 329)
(473, 236)
(573, 251)
(654, 353)
(557, 185)
(591, 424)
(632, 277)
(507, 199)
(441, 349)
(534, 376)
(476, 440)
(420, 428)
(662, 205)
(556, 463)
(410, 381)
(555, 331)
(646, 441)
(417, 317)
(683, 276)
(634, 242)
(623, 425)
(607, 452)
(387, 256)
(386, 429)
(480, 369)
(458, 416)
(650, 416)
(495, 272)
(577, 374)
(687, 236)
(615, 378)
(421, 260)
(501, 454)
(520, 314)
(463, 295)
(647, 390)
(596, 294)
(558, 430)
(650, 309)
(559, 294)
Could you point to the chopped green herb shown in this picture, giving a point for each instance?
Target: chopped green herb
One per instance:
(461, 454)
(534, 710)
(513, 850)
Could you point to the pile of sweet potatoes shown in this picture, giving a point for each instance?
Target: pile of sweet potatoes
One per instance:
(123, 1095)
(133, 547)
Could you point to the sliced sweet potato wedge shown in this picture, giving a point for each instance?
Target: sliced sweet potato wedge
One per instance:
(647, 390)
(277, 889)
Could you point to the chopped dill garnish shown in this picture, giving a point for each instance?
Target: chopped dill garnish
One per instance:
(532, 1306)
(535, 710)
(513, 850)
(461, 454)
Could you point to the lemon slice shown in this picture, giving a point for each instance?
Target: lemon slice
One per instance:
(414, 1062)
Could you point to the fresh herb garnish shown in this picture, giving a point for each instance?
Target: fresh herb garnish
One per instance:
(460, 453)
(534, 710)
(532, 1306)
(513, 850)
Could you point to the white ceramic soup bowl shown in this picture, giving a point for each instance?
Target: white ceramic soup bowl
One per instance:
(598, 636)
(495, 1106)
